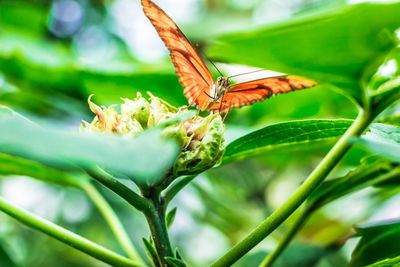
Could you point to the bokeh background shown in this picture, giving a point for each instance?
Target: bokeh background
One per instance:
(54, 54)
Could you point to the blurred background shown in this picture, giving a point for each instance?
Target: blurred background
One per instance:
(54, 54)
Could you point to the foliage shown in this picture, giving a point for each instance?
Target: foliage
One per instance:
(148, 152)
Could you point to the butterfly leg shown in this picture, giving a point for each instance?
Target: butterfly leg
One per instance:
(225, 115)
(197, 114)
(222, 103)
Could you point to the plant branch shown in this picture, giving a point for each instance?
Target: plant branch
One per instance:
(158, 228)
(305, 215)
(315, 178)
(112, 219)
(65, 236)
(120, 189)
(289, 235)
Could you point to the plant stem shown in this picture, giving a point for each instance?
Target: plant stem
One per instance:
(312, 207)
(176, 187)
(120, 189)
(113, 221)
(158, 228)
(294, 228)
(65, 236)
(314, 179)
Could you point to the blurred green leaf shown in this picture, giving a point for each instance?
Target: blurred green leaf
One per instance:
(34, 15)
(174, 262)
(145, 158)
(297, 254)
(394, 262)
(383, 140)
(371, 172)
(284, 135)
(385, 83)
(151, 251)
(11, 165)
(5, 259)
(379, 241)
(332, 47)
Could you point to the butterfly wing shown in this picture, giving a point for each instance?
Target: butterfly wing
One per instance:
(192, 72)
(247, 93)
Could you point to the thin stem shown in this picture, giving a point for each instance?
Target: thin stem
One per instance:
(176, 187)
(289, 235)
(65, 236)
(113, 221)
(120, 189)
(283, 212)
(305, 215)
(158, 228)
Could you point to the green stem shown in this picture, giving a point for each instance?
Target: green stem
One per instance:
(176, 187)
(312, 207)
(112, 219)
(289, 235)
(284, 211)
(65, 236)
(158, 228)
(120, 189)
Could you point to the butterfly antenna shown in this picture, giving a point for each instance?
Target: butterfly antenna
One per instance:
(250, 72)
(212, 63)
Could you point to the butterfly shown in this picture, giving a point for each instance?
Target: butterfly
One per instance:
(200, 88)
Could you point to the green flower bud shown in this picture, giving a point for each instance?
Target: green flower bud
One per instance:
(205, 148)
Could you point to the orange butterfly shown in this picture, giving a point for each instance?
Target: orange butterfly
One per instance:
(199, 86)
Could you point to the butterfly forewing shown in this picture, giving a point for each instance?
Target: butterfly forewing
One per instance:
(247, 93)
(192, 72)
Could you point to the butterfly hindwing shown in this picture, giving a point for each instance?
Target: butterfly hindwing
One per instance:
(192, 72)
(247, 93)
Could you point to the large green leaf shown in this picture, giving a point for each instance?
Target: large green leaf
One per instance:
(283, 135)
(378, 242)
(331, 47)
(146, 157)
(48, 66)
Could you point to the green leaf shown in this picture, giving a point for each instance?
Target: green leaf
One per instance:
(394, 262)
(11, 165)
(145, 158)
(151, 251)
(297, 254)
(170, 217)
(384, 140)
(174, 262)
(385, 84)
(371, 172)
(378, 242)
(332, 47)
(283, 135)
(5, 259)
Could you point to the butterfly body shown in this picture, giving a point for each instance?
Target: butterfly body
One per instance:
(218, 89)
(199, 86)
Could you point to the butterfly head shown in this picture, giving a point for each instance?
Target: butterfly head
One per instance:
(223, 82)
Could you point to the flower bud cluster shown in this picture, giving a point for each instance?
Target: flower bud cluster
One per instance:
(201, 138)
